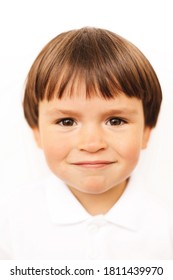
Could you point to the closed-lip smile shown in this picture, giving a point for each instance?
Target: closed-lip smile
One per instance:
(93, 164)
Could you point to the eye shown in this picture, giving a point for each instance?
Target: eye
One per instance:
(115, 121)
(66, 122)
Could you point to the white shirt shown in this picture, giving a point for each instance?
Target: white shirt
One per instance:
(46, 221)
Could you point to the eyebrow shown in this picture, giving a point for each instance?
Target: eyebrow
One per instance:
(121, 111)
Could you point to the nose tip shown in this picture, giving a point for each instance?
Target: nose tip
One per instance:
(92, 142)
(91, 147)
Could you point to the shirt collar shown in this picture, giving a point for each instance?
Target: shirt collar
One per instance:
(128, 211)
(63, 206)
(65, 209)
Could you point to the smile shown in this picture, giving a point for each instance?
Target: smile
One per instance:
(93, 164)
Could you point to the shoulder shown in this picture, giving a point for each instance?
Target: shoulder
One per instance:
(25, 197)
(23, 191)
(151, 203)
(158, 204)
(157, 213)
(151, 210)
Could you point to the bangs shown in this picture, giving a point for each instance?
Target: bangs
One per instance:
(99, 61)
(77, 81)
(103, 62)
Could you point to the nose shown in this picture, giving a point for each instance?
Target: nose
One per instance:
(92, 139)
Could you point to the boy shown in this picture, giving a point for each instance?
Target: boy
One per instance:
(92, 100)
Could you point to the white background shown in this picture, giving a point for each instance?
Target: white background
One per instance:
(26, 26)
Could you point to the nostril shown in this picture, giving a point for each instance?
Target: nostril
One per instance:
(92, 147)
(91, 138)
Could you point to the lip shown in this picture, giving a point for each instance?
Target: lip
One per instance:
(93, 164)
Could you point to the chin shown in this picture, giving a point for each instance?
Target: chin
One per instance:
(93, 186)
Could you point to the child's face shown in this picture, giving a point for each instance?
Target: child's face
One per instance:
(92, 144)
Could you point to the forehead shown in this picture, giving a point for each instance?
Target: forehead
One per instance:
(80, 104)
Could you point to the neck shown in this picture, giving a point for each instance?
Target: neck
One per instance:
(96, 204)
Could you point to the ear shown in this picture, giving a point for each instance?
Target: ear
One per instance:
(146, 136)
(37, 137)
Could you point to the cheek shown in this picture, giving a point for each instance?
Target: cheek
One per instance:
(132, 153)
(129, 150)
(55, 149)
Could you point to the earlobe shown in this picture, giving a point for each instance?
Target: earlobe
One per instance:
(36, 134)
(146, 136)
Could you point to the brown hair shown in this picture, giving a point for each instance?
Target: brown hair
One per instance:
(106, 62)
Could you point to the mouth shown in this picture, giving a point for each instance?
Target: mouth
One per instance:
(93, 164)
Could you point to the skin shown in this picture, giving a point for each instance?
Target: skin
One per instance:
(93, 145)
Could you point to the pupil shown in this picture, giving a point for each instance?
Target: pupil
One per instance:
(68, 122)
(115, 122)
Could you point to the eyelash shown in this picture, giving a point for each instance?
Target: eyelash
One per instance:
(119, 120)
(70, 122)
(60, 122)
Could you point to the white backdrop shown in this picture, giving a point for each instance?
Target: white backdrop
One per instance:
(26, 26)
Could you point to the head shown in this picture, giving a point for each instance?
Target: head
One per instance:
(91, 72)
(107, 63)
